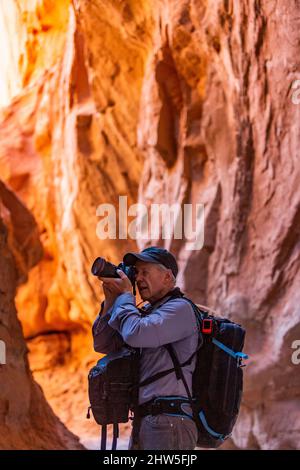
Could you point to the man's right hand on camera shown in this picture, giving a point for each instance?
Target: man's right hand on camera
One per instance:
(113, 287)
(110, 297)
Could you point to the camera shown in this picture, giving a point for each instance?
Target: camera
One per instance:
(104, 268)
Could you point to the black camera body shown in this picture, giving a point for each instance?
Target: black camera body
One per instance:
(104, 268)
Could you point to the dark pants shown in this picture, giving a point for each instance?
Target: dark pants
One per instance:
(163, 432)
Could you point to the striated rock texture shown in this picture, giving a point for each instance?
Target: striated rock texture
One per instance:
(26, 419)
(164, 101)
(71, 166)
(218, 126)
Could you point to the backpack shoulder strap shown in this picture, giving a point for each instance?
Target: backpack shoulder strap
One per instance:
(177, 366)
(179, 373)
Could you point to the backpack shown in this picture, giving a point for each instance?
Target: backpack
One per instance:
(113, 388)
(217, 382)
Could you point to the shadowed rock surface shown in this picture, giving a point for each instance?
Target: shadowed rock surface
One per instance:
(26, 419)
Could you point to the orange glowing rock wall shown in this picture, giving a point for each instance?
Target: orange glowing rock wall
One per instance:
(166, 101)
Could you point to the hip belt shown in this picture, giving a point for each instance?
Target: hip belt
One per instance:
(175, 406)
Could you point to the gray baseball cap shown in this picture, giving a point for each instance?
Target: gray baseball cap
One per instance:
(153, 254)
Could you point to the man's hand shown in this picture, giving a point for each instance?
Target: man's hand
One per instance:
(113, 287)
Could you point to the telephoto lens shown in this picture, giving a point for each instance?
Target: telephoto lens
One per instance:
(104, 268)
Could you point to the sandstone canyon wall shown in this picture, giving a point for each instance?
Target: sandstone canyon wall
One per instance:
(163, 101)
(26, 419)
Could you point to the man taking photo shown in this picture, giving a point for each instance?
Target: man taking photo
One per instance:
(165, 416)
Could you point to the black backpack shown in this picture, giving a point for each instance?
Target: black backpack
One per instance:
(217, 380)
(113, 389)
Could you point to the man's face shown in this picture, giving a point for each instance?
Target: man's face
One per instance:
(152, 281)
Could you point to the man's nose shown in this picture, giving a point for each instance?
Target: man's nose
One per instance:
(138, 277)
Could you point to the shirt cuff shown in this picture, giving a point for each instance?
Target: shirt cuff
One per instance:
(101, 319)
(120, 303)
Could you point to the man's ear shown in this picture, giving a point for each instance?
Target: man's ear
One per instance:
(169, 275)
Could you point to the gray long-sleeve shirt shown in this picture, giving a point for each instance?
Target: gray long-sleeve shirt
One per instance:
(173, 322)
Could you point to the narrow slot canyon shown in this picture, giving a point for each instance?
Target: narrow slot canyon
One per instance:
(161, 101)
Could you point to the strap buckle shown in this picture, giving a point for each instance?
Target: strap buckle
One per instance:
(207, 326)
(155, 407)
